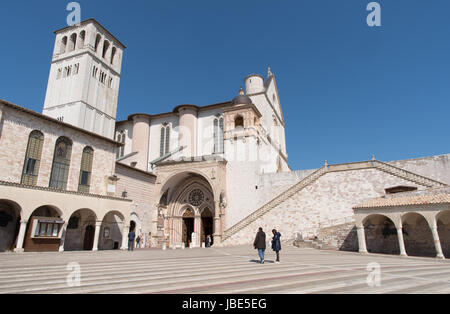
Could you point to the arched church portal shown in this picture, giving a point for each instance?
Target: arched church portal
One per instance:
(191, 212)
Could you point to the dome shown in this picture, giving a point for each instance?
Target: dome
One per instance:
(242, 99)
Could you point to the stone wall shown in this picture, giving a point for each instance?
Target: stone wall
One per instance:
(342, 237)
(272, 184)
(16, 127)
(139, 186)
(331, 197)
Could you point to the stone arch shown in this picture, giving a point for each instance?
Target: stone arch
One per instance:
(32, 242)
(443, 228)
(186, 190)
(176, 178)
(63, 45)
(72, 42)
(111, 231)
(106, 46)
(82, 39)
(113, 56)
(46, 211)
(417, 235)
(183, 194)
(98, 39)
(80, 230)
(10, 216)
(134, 217)
(381, 234)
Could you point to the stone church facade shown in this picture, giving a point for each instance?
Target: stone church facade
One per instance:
(74, 178)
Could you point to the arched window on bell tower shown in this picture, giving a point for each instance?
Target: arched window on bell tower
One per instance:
(63, 46)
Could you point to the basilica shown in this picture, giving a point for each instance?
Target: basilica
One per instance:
(74, 178)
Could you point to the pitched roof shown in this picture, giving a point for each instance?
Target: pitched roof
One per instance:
(53, 120)
(427, 199)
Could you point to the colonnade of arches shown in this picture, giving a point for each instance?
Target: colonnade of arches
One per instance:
(78, 40)
(46, 230)
(409, 234)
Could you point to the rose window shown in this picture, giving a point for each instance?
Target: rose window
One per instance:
(196, 197)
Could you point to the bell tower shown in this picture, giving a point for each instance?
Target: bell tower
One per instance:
(83, 85)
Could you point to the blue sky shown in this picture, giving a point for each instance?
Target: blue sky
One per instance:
(347, 90)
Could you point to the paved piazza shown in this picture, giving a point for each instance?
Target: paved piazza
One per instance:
(220, 270)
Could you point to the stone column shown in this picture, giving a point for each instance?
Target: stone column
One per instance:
(187, 131)
(125, 231)
(21, 236)
(98, 224)
(197, 230)
(362, 240)
(63, 237)
(401, 242)
(217, 225)
(141, 133)
(437, 241)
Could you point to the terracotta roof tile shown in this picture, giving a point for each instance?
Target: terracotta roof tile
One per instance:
(427, 199)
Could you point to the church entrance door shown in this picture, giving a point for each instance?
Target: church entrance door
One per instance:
(207, 226)
(188, 227)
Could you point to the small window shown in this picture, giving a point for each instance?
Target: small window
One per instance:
(95, 72)
(239, 122)
(121, 139)
(218, 135)
(165, 140)
(47, 230)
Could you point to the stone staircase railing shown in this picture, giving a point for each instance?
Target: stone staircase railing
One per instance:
(275, 202)
(408, 175)
(372, 164)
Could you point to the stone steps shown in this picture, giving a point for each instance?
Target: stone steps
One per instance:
(224, 270)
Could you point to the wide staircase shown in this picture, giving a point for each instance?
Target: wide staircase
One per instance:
(372, 164)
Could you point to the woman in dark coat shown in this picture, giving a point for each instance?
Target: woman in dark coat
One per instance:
(276, 244)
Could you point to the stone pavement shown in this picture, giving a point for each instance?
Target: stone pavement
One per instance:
(221, 270)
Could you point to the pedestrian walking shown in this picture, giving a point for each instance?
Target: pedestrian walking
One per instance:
(131, 237)
(276, 244)
(260, 244)
(138, 242)
(208, 241)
